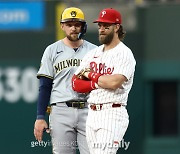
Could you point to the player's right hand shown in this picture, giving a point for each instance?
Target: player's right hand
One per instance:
(39, 126)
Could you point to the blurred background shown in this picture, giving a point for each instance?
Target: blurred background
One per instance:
(27, 27)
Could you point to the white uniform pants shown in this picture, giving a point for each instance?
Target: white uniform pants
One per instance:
(105, 129)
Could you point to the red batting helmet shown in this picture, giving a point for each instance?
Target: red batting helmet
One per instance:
(109, 15)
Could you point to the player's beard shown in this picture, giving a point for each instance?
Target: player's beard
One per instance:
(106, 39)
(73, 37)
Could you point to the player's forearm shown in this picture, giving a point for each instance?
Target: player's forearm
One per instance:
(111, 81)
(44, 96)
(107, 81)
(82, 86)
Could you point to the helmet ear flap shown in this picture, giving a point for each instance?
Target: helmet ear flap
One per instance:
(83, 30)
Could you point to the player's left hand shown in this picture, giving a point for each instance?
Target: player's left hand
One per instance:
(81, 74)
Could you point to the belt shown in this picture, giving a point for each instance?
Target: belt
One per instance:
(79, 105)
(97, 107)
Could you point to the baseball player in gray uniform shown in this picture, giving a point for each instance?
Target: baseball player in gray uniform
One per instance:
(107, 71)
(68, 108)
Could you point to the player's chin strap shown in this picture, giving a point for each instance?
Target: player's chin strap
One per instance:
(83, 30)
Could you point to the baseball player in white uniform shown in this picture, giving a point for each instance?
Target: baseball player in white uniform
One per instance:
(107, 73)
(68, 108)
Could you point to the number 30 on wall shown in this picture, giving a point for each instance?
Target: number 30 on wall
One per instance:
(18, 84)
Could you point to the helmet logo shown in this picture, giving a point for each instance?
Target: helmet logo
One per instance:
(103, 13)
(73, 13)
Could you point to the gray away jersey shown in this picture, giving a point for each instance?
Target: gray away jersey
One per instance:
(59, 62)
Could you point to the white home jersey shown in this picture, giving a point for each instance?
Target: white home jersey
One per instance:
(119, 60)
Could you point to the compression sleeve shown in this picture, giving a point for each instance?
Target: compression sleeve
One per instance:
(45, 88)
(82, 86)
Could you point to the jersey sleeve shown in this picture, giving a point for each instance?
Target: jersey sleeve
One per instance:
(125, 64)
(46, 67)
(85, 62)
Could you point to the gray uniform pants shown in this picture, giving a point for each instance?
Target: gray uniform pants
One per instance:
(67, 126)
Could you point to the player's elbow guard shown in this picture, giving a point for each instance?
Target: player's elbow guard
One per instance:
(82, 86)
